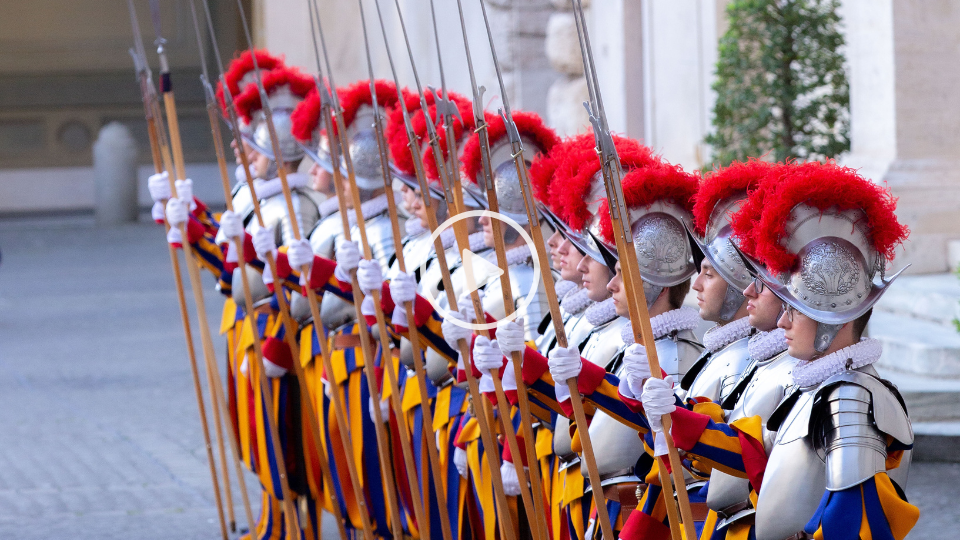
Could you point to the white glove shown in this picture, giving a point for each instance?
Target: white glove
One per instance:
(176, 212)
(185, 192)
(510, 337)
(465, 305)
(565, 363)
(511, 483)
(156, 212)
(486, 355)
(509, 378)
(300, 254)
(636, 369)
(384, 407)
(159, 186)
(231, 225)
(348, 257)
(369, 276)
(452, 333)
(403, 288)
(658, 399)
(264, 243)
(460, 461)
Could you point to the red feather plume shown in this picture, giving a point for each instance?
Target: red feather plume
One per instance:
(746, 221)
(300, 84)
(572, 188)
(240, 67)
(528, 123)
(824, 186)
(646, 185)
(738, 177)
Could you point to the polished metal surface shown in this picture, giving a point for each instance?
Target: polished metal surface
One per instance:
(258, 291)
(336, 312)
(718, 378)
(833, 437)
(853, 447)
(380, 237)
(769, 384)
(522, 279)
(275, 216)
(299, 307)
(437, 367)
(662, 246)
(323, 237)
(678, 353)
(794, 480)
(833, 281)
(260, 139)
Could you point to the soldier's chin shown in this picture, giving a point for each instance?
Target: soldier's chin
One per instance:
(760, 324)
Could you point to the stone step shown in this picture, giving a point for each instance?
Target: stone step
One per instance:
(917, 346)
(934, 298)
(932, 403)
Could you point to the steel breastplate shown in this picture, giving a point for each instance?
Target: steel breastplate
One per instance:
(273, 210)
(795, 478)
(768, 386)
(796, 475)
(335, 311)
(243, 203)
(324, 236)
(522, 278)
(258, 291)
(720, 374)
(678, 353)
(416, 250)
(380, 237)
(604, 343)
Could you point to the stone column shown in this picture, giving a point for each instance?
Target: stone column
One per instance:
(115, 175)
(565, 111)
(905, 112)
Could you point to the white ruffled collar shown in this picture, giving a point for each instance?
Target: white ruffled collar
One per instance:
(814, 372)
(675, 320)
(719, 337)
(448, 237)
(576, 301)
(766, 345)
(600, 313)
(564, 287)
(370, 209)
(328, 206)
(413, 227)
(518, 255)
(268, 188)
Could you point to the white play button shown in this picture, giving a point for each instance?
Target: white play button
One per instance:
(474, 266)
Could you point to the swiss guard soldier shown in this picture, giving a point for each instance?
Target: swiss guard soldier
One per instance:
(719, 287)
(285, 88)
(725, 496)
(830, 461)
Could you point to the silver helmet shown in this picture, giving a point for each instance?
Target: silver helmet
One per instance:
(662, 246)
(717, 245)
(364, 152)
(282, 102)
(833, 280)
(506, 181)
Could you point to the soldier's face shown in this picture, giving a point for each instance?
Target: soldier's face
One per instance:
(347, 193)
(570, 258)
(711, 289)
(800, 332)
(321, 180)
(594, 276)
(245, 148)
(763, 308)
(409, 198)
(554, 244)
(615, 286)
(260, 164)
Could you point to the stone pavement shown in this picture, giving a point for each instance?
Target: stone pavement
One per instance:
(99, 433)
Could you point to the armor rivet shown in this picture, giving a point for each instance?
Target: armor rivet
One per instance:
(859, 295)
(849, 302)
(834, 304)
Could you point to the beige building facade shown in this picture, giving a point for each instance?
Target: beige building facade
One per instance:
(60, 81)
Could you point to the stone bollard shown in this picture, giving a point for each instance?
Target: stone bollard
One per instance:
(115, 175)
